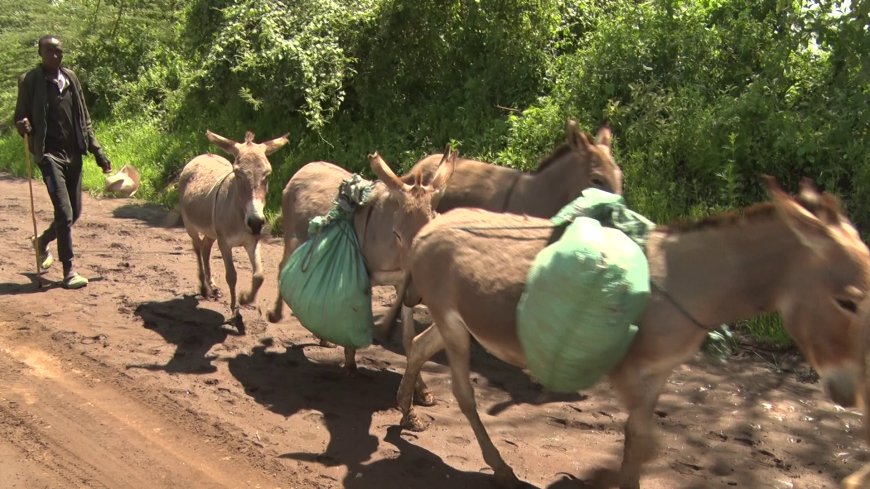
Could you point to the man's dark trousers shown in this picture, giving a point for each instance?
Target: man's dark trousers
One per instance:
(62, 174)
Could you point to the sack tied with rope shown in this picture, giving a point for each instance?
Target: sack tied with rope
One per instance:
(583, 292)
(325, 281)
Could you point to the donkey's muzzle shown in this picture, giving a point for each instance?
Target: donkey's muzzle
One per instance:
(842, 387)
(255, 224)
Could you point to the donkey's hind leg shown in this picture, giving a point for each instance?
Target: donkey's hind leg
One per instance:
(277, 311)
(196, 241)
(349, 359)
(211, 288)
(458, 343)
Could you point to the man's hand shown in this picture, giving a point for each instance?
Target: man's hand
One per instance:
(103, 162)
(23, 126)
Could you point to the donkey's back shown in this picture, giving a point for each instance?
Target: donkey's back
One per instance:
(473, 184)
(198, 186)
(309, 193)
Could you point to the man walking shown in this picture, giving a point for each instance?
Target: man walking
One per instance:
(51, 109)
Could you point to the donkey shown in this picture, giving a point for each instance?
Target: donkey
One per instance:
(860, 479)
(798, 256)
(222, 201)
(397, 209)
(561, 177)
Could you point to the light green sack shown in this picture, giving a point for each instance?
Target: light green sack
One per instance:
(325, 281)
(582, 293)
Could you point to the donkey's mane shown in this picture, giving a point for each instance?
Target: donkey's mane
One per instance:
(555, 155)
(725, 219)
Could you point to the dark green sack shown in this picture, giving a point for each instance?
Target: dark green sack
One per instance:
(582, 293)
(325, 281)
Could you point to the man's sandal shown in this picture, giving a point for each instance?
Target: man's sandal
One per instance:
(44, 256)
(74, 281)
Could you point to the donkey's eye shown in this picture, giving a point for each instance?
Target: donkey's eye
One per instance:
(848, 305)
(396, 235)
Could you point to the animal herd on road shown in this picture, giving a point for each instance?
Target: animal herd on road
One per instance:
(459, 236)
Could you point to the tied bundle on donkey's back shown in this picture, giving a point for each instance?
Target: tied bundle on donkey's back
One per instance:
(583, 292)
(325, 281)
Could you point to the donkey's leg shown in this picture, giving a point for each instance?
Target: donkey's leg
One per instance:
(247, 297)
(419, 351)
(458, 343)
(197, 251)
(639, 380)
(422, 394)
(384, 329)
(277, 311)
(639, 391)
(206, 246)
(349, 358)
(227, 255)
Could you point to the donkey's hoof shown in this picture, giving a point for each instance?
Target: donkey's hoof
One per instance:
(212, 293)
(424, 398)
(274, 317)
(246, 298)
(349, 370)
(412, 422)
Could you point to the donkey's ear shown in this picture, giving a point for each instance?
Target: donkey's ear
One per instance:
(445, 169)
(221, 142)
(808, 228)
(576, 138)
(604, 136)
(386, 175)
(275, 144)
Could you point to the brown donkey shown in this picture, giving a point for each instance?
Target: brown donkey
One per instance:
(861, 478)
(801, 257)
(573, 166)
(398, 208)
(222, 201)
(559, 179)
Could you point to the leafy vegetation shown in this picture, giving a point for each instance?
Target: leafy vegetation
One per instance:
(702, 95)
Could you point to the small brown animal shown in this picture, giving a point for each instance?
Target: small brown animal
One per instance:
(222, 201)
(798, 256)
(397, 209)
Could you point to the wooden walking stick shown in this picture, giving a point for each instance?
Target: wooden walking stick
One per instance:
(32, 210)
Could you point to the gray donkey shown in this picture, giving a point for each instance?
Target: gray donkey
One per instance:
(384, 226)
(222, 201)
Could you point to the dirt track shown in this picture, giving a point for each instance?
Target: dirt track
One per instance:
(133, 382)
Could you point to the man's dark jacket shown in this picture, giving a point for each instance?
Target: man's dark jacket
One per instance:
(33, 104)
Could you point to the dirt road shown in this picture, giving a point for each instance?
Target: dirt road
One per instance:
(133, 382)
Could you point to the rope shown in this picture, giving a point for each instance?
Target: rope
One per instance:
(216, 189)
(510, 192)
(680, 308)
(502, 228)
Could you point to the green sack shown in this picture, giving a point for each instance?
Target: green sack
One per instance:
(327, 287)
(325, 281)
(582, 293)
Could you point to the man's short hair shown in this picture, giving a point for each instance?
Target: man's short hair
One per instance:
(49, 39)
